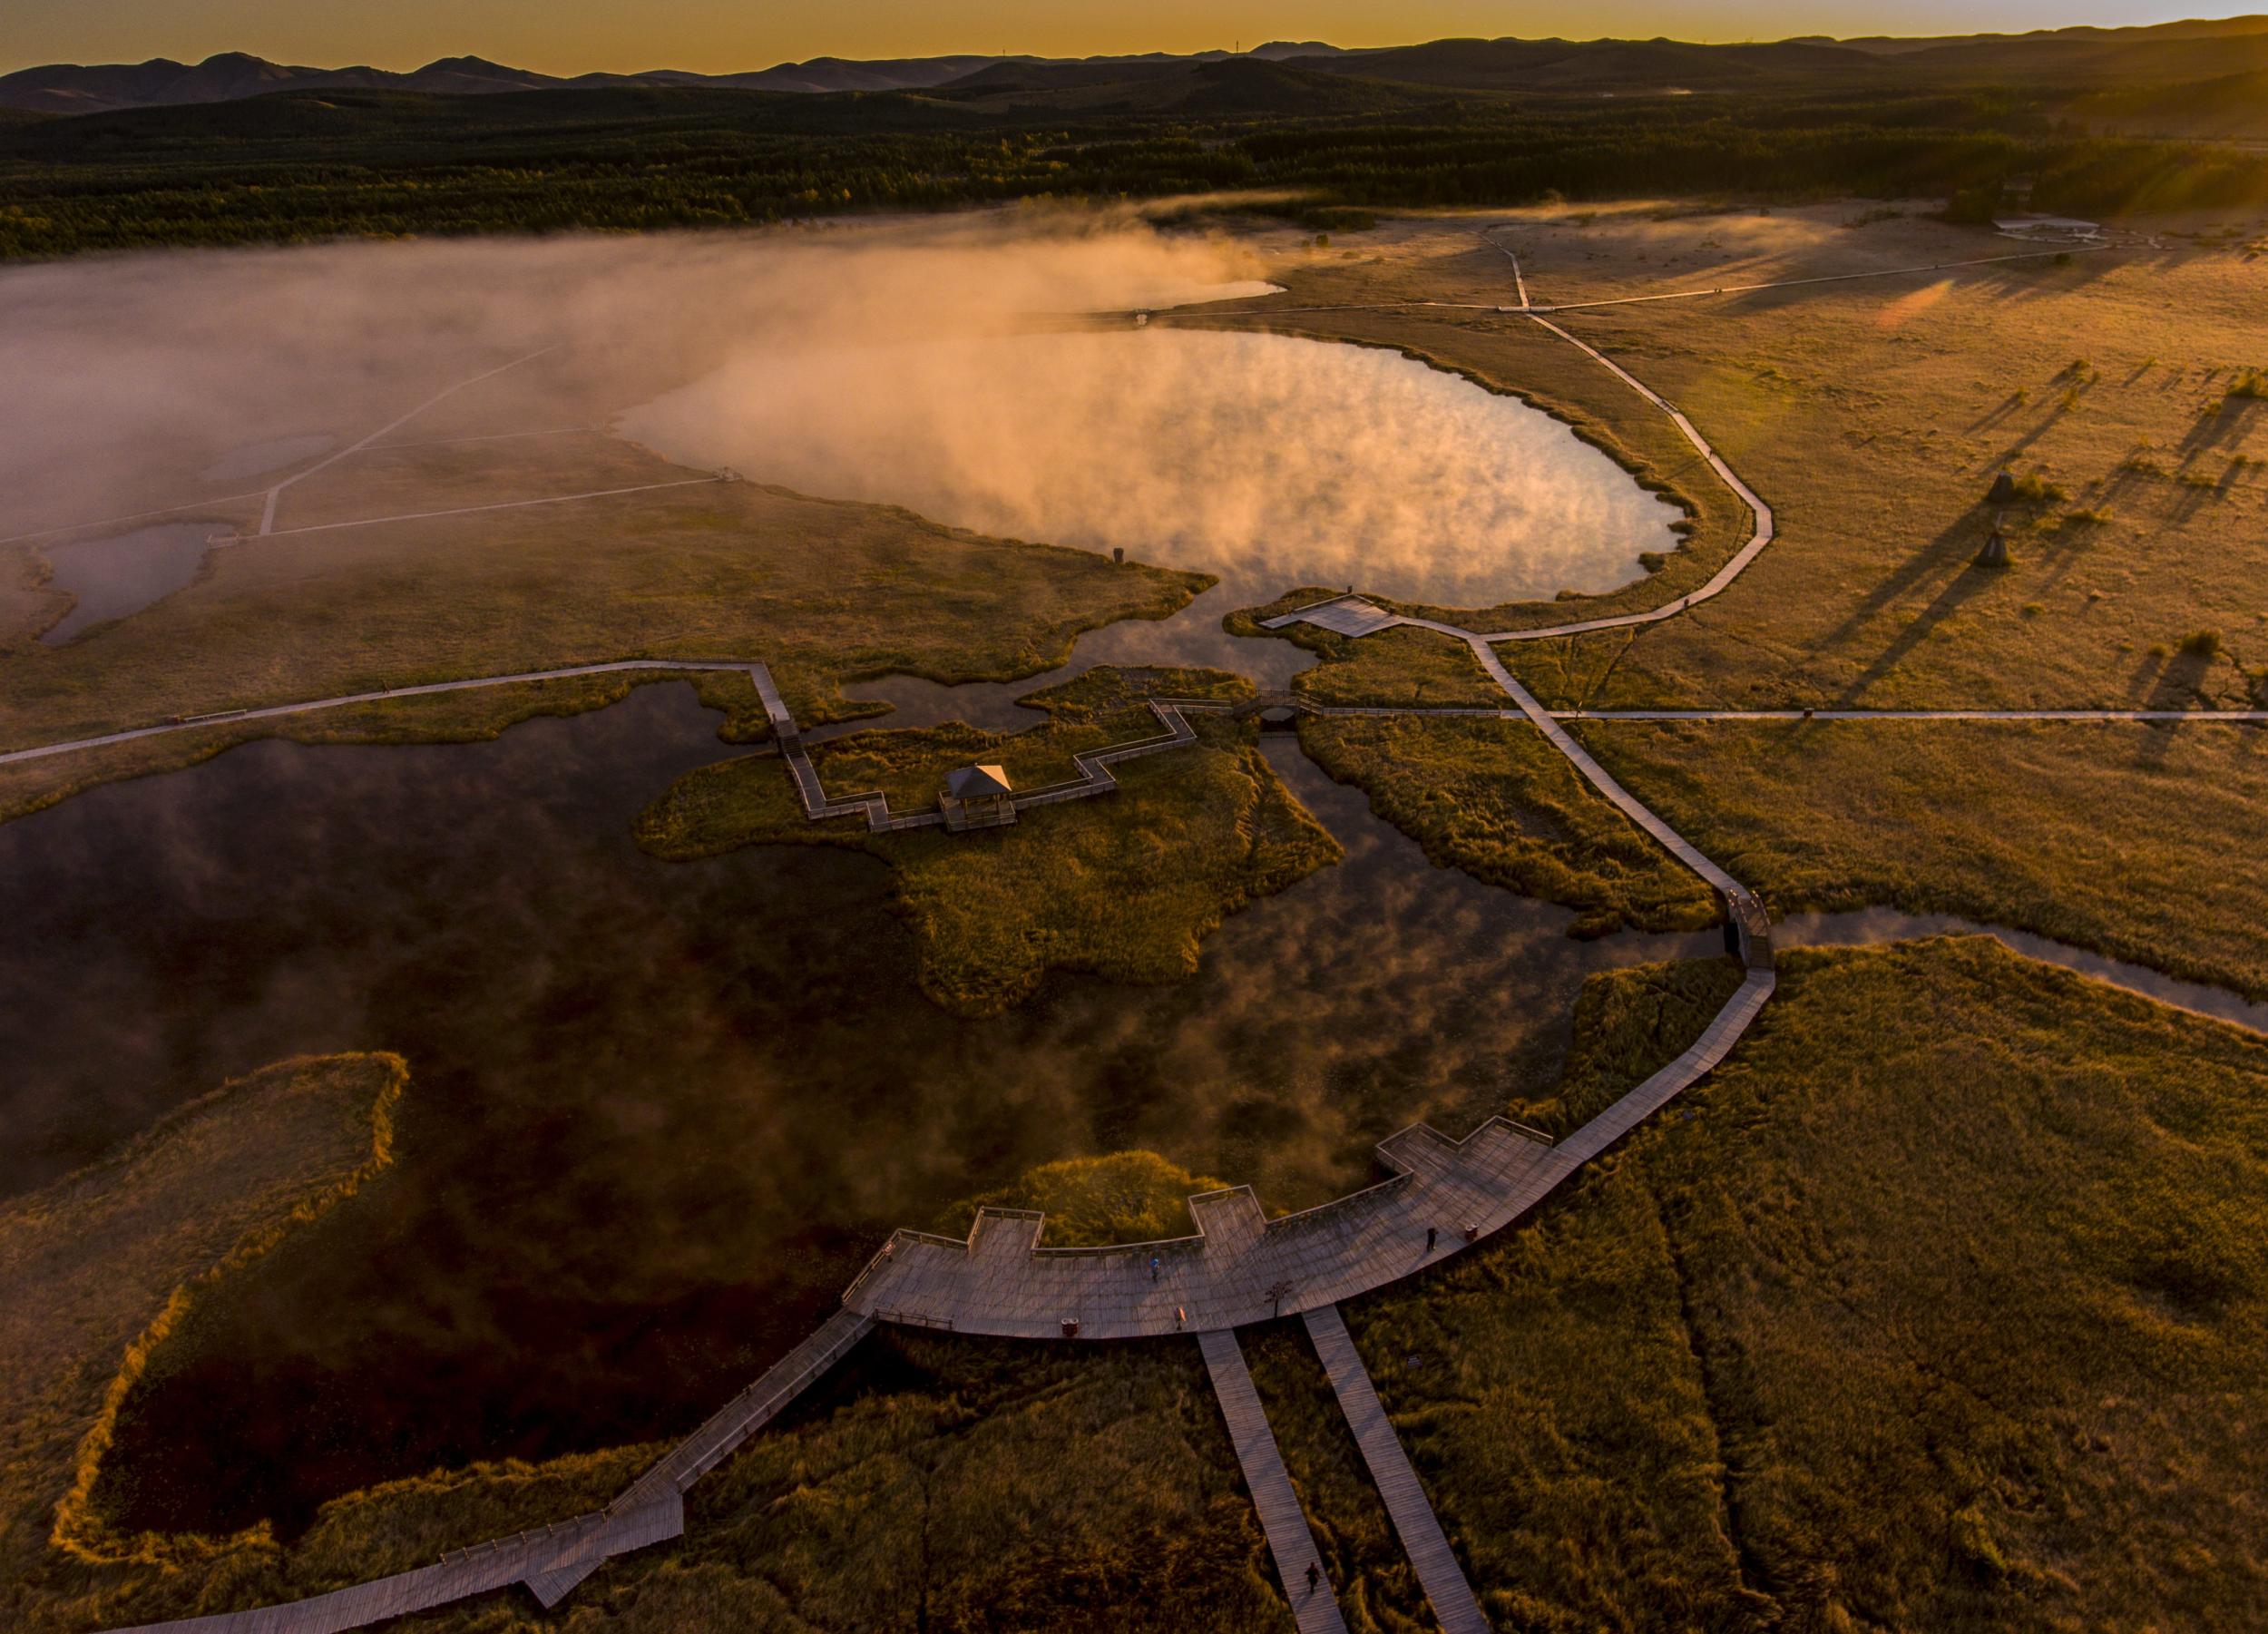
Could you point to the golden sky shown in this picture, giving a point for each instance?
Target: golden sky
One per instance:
(575, 36)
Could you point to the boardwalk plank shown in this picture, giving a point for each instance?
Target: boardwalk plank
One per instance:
(1415, 1523)
(1315, 1609)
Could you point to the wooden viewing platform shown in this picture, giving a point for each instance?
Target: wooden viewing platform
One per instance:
(1093, 765)
(1240, 1266)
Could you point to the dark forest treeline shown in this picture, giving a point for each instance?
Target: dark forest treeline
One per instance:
(300, 167)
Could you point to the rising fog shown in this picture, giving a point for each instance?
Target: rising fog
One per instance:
(131, 377)
(920, 364)
(1273, 461)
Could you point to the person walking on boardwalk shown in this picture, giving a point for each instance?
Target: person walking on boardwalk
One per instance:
(1314, 1576)
(1432, 1235)
(1153, 1268)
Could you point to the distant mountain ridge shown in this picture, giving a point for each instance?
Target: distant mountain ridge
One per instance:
(230, 75)
(1283, 75)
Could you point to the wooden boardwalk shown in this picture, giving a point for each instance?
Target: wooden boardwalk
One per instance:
(1093, 766)
(384, 694)
(1442, 1578)
(1240, 1266)
(1314, 1608)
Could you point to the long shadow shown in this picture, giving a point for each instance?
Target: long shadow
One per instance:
(2222, 424)
(2178, 684)
(2075, 390)
(1998, 414)
(2022, 446)
(2029, 280)
(1968, 581)
(2061, 548)
(2126, 477)
(1958, 542)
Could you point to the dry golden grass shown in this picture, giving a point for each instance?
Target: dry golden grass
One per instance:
(1874, 416)
(2140, 842)
(96, 1269)
(1940, 1307)
(1494, 798)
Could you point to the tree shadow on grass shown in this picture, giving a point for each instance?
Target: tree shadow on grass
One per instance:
(2222, 424)
(1954, 546)
(1970, 581)
(2075, 391)
(2000, 412)
(2031, 280)
(2167, 683)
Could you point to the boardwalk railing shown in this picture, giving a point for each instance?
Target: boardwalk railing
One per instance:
(1094, 774)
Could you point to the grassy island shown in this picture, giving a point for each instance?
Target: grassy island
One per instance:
(1125, 886)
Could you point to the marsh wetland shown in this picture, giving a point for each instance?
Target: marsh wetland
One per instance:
(659, 1113)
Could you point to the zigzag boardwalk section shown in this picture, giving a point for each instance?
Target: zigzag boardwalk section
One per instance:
(1240, 1266)
(1093, 765)
(1414, 1520)
(1289, 1541)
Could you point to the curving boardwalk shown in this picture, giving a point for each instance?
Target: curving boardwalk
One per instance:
(1241, 1267)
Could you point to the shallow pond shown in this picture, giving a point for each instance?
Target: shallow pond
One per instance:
(660, 1113)
(1272, 461)
(126, 571)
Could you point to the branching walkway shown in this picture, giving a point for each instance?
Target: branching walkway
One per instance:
(268, 511)
(503, 505)
(1289, 1539)
(1414, 1523)
(553, 1560)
